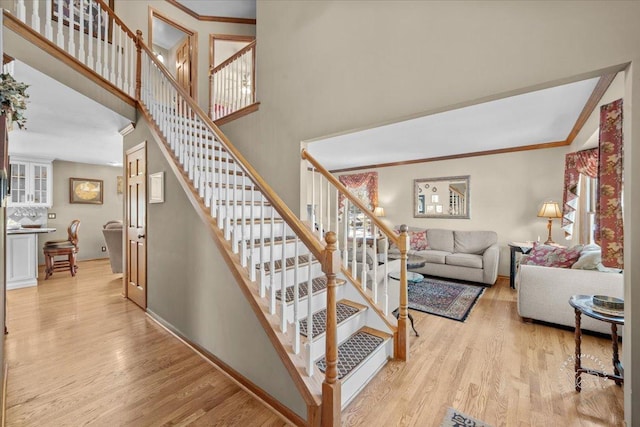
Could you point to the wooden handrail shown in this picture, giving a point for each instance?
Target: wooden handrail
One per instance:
(235, 56)
(391, 235)
(286, 214)
(112, 15)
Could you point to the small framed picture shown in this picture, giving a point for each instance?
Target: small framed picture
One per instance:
(435, 198)
(119, 184)
(430, 209)
(156, 187)
(438, 208)
(84, 190)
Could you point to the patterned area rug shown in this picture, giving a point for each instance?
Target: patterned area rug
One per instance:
(455, 418)
(444, 298)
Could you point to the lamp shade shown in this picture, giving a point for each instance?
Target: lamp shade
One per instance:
(378, 211)
(550, 210)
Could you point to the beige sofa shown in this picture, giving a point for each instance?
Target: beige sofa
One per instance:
(544, 292)
(112, 232)
(463, 255)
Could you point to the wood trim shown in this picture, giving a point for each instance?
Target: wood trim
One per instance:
(193, 46)
(237, 114)
(52, 49)
(4, 394)
(457, 156)
(293, 363)
(6, 58)
(393, 237)
(212, 39)
(235, 376)
(193, 14)
(591, 104)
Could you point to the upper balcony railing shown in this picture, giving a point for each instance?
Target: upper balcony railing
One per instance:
(233, 83)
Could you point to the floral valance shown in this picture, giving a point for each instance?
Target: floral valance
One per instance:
(581, 162)
(362, 185)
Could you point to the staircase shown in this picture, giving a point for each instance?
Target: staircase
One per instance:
(326, 311)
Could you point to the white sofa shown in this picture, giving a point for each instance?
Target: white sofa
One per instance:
(544, 292)
(463, 255)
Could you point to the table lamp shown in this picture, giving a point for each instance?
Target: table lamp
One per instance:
(550, 210)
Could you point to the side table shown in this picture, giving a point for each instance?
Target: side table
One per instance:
(582, 305)
(522, 247)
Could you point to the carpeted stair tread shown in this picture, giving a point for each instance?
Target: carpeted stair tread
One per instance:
(352, 352)
(320, 319)
(302, 260)
(318, 284)
(276, 240)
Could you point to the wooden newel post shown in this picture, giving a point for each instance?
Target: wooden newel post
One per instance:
(138, 64)
(402, 341)
(331, 396)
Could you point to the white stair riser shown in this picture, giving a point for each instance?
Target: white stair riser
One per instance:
(259, 230)
(264, 255)
(318, 302)
(303, 274)
(236, 211)
(357, 379)
(345, 329)
(235, 194)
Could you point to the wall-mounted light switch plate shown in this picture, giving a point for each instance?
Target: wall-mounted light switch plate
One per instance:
(51, 215)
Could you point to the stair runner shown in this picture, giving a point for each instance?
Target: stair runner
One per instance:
(352, 352)
(320, 319)
(302, 260)
(318, 284)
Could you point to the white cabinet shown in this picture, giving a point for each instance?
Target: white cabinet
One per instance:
(22, 260)
(31, 182)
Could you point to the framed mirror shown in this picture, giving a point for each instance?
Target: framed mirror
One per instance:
(445, 197)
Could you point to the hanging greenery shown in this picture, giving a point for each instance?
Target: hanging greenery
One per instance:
(13, 99)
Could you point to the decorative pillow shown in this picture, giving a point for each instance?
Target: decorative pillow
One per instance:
(590, 257)
(418, 240)
(552, 256)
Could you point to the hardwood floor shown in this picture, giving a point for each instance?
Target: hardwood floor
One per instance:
(493, 367)
(79, 353)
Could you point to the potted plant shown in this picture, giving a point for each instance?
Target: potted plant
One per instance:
(13, 98)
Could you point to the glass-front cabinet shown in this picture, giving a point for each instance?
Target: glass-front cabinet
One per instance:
(30, 182)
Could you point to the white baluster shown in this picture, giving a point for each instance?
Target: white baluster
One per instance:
(120, 81)
(320, 211)
(21, 11)
(60, 37)
(262, 250)
(313, 199)
(105, 44)
(228, 198)
(81, 52)
(113, 52)
(374, 246)
(252, 235)
(296, 299)
(309, 318)
(72, 25)
(345, 228)
(35, 15)
(353, 249)
(48, 29)
(283, 282)
(363, 266)
(99, 35)
(385, 280)
(272, 265)
(236, 217)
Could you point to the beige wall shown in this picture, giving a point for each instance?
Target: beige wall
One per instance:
(191, 288)
(92, 217)
(329, 66)
(135, 14)
(506, 192)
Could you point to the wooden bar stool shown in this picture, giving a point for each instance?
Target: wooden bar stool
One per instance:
(62, 248)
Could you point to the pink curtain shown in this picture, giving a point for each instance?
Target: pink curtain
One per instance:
(362, 185)
(609, 228)
(581, 162)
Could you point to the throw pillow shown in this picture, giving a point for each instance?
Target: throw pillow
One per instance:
(588, 260)
(552, 256)
(418, 240)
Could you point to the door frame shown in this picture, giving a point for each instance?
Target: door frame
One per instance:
(212, 40)
(192, 36)
(125, 238)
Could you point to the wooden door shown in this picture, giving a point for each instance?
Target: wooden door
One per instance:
(183, 65)
(136, 222)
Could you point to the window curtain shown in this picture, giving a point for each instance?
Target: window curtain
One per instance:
(609, 227)
(581, 162)
(362, 185)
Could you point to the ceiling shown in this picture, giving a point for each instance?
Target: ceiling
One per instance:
(225, 8)
(77, 129)
(164, 35)
(532, 118)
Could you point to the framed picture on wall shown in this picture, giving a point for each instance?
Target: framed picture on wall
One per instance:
(90, 12)
(83, 190)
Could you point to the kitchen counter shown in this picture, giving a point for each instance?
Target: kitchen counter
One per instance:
(22, 256)
(31, 230)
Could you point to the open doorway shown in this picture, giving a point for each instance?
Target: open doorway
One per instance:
(176, 47)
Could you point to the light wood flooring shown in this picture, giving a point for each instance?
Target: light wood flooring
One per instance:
(80, 354)
(493, 367)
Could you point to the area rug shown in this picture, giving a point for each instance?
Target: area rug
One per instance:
(455, 418)
(444, 298)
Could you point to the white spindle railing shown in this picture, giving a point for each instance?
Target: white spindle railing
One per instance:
(97, 39)
(359, 234)
(255, 228)
(233, 84)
